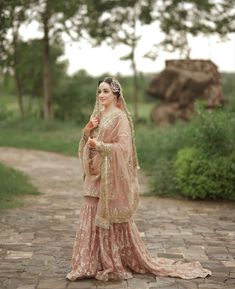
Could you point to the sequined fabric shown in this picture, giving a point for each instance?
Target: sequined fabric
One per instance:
(116, 252)
(110, 170)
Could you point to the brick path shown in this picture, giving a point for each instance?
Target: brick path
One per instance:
(36, 239)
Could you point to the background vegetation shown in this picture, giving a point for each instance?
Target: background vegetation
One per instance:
(193, 159)
(42, 107)
(13, 184)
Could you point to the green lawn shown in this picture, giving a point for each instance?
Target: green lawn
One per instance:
(13, 184)
(37, 134)
(55, 136)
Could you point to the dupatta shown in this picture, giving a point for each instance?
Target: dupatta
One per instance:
(114, 164)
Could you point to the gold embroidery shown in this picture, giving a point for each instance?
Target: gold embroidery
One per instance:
(107, 122)
(106, 192)
(102, 222)
(91, 191)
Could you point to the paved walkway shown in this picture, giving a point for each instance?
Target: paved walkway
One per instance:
(36, 240)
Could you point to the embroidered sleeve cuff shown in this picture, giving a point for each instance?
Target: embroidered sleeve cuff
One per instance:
(99, 146)
(103, 147)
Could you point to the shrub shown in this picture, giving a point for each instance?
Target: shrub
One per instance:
(214, 132)
(206, 170)
(163, 179)
(199, 177)
(157, 143)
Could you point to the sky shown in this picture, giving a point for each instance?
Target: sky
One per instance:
(104, 59)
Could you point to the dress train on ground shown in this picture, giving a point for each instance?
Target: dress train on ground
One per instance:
(117, 252)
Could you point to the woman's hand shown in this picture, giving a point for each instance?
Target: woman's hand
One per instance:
(94, 122)
(92, 142)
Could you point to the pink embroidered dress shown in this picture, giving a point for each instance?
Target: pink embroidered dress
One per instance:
(107, 243)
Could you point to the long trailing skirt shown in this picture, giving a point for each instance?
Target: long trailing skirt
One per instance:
(116, 252)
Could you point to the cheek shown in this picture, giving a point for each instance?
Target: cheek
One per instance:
(111, 97)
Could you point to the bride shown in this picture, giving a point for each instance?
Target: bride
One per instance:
(107, 243)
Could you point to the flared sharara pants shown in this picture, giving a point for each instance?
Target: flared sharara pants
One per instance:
(117, 252)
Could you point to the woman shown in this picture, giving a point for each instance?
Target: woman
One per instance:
(107, 243)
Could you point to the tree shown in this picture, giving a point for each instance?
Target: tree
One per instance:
(180, 18)
(55, 17)
(115, 22)
(11, 17)
(30, 68)
(74, 96)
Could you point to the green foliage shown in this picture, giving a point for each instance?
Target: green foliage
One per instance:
(199, 177)
(228, 88)
(4, 114)
(55, 136)
(29, 67)
(209, 165)
(179, 19)
(155, 143)
(228, 85)
(12, 15)
(13, 184)
(163, 181)
(214, 132)
(75, 97)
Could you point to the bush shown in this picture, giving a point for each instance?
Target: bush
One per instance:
(163, 179)
(214, 132)
(75, 96)
(211, 135)
(199, 177)
(158, 143)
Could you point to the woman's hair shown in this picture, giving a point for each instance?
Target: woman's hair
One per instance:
(114, 85)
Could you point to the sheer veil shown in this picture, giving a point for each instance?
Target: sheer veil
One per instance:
(121, 103)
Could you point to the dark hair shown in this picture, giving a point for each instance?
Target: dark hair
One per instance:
(109, 80)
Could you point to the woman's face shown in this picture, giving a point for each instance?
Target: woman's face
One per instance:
(105, 94)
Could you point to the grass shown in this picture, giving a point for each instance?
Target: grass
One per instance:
(32, 134)
(52, 136)
(13, 184)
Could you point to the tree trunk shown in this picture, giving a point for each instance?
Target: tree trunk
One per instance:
(135, 72)
(16, 74)
(19, 94)
(47, 106)
(135, 90)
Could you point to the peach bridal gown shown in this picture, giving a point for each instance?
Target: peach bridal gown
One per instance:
(107, 243)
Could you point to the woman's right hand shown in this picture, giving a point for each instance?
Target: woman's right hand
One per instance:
(93, 123)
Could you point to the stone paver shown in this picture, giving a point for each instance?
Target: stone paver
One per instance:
(36, 239)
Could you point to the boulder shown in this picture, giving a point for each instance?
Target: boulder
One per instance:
(180, 84)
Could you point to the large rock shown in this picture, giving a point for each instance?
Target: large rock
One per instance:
(180, 84)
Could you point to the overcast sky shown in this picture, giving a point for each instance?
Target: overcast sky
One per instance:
(104, 59)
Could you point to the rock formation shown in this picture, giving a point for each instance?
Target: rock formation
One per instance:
(180, 84)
